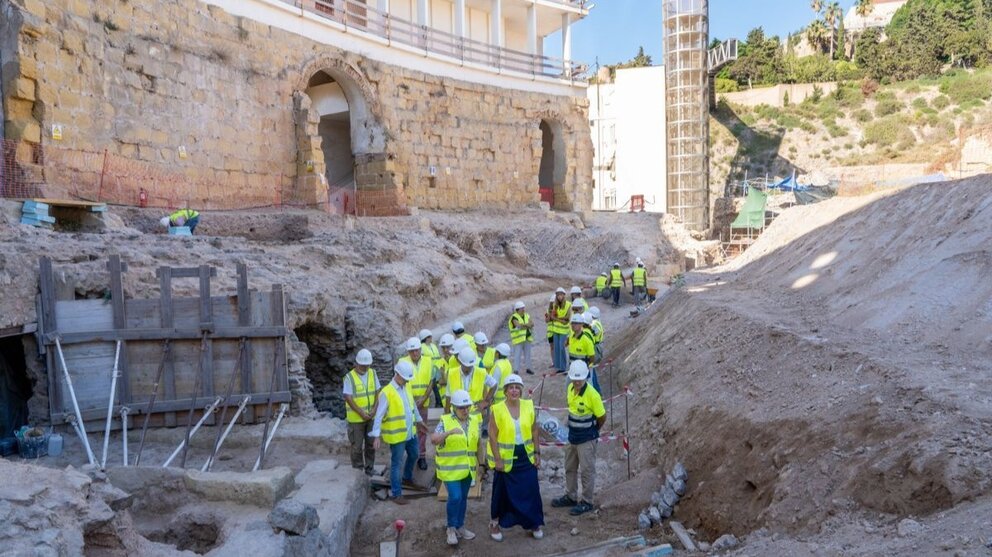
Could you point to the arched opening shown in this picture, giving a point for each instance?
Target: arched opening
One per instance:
(330, 103)
(551, 174)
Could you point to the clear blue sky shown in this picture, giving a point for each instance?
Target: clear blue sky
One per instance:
(615, 28)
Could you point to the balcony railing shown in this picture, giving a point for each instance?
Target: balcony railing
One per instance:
(353, 14)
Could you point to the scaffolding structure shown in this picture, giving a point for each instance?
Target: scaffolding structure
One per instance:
(686, 34)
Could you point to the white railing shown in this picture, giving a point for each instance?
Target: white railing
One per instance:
(721, 54)
(354, 14)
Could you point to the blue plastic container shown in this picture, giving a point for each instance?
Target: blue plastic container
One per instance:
(179, 231)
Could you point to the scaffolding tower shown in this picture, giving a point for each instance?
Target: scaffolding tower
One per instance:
(686, 34)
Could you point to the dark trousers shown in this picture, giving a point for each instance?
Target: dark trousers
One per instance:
(616, 295)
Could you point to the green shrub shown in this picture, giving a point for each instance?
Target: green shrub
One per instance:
(807, 127)
(920, 103)
(964, 87)
(844, 70)
(724, 85)
(836, 131)
(848, 96)
(913, 88)
(863, 115)
(889, 131)
(941, 102)
(849, 146)
(887, 107)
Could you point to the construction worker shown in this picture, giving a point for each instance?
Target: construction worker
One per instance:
(361, 389)
(601, 281)
(457, 441)
(486, 353)
(590, 335)
(598, 332)
(420, 388)
(550, 327)
(445, 345)
(617, 281)
(459, 331)
(428, 348)
(502, 368)
(560, 315)
(182, 217)
(471, 378)
(396, 419)
(586, 415)
(580, 342)
(575, 297)
(521, 337)
(639, 281)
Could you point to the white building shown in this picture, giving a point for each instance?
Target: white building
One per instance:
(627, 122)
(880, 15)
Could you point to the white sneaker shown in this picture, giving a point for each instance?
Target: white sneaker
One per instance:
(495, 533)
(465, 533)
(452, 537)
(538, 534)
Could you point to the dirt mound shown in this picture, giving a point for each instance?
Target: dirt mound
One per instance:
(837, 367)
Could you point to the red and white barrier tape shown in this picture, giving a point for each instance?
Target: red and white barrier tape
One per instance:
(603, 438)
(626, 392)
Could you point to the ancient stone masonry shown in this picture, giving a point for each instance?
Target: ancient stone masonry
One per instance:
(189, 89)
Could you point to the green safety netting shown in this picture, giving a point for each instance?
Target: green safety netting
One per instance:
(752, 214)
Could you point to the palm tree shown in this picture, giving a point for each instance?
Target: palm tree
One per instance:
(832, 13)
(816, 34)
(816, 5)
(864, 7)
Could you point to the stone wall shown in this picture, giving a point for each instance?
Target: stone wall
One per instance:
(185, 88)
(775, 95)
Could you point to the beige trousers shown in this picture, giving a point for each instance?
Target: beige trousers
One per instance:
(580, 460)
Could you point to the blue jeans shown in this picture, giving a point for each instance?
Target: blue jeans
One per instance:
(457, 501)
(191, 223)
(595, 380)
(396, 455)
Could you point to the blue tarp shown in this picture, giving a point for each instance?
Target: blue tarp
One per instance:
(789, 184)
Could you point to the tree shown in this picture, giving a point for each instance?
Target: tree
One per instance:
(760, 60)
(816, 34)
(640, 60)
(832, 13)
(816, 5)
(864, 7)
(841, 41)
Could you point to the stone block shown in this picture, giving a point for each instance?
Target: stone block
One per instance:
(294, 517)
(24, 130)
(263, 488)
(339, 494)
(23, 88)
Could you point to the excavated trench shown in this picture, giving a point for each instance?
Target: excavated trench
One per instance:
(329, 360)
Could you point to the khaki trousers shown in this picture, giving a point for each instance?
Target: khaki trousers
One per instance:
(362, 453)
(580, 460)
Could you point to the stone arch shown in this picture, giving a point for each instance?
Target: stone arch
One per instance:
(367, 132)
(553, 169)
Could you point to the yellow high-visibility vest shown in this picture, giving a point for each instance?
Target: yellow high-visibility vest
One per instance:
(505, 370)
(394, 426)
(600, 283)
(363, 394)
(616, 278)
(506, 440)
(457, 458)
(476, 388)
(518, 334)
(639, 276)
(424, 372)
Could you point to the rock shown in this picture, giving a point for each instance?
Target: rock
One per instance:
(665, 510)
(644, 521)
(656, 498)
(654, 514)
(261, 489)
(725, 541)
(117, 499)
(294, 517)
(314, 544)
(678, 486)
(908, 527)
(574, 532)
(703, 546)
(669, 497)
(679, 472)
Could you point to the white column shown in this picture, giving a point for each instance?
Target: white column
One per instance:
(532, 29)
(497, 23)
(566, 42)
(460, 28)
(383, 7)
(423, 12)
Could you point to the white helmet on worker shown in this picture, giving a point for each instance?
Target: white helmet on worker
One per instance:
(404, 369)
(447, 339)
(481, 339)
(461, 399)
(412, 343)
(587, 318)
(638, 260)
(578, 371)
(513, 379)
(603, 275)
(459, 345)
(575, 290)
(577, 318)
(578, 303)
(457, 327)
(594, 312)
(503, 349)
(364, 358)
(467, 357)
(519, 305)
(164, 221)
(616, 264)
(425, 334)
(560, 290)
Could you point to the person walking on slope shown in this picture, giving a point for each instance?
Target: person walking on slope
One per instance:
(457, 441)
(601, 280)
(513, 452)
(396, 419)
(639, 281)
(586, 415)
(420, 388)
(361, 389)
(617, 281)
(521, 337)
(560, 315)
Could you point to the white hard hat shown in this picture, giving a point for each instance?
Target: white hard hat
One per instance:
(513, 379)
(405, 370)
(461, 399)
(447, 339)
(616, 264)
(467, 357)
(640, 263)
(594, 312)
(639, 260)
(459, 345)
(424, 334)
(481, 338)
(412, 343)
(604, 274)
(503, 349)
(457, 327)
(560, 291)
(578, 302)
(164, 221)
(519, 305)
(576, 318)
(587, 318)
(364, 357)
(578, 371)
(576, 290)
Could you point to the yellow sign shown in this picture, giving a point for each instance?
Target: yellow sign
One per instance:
(57, 132)
(182, 152)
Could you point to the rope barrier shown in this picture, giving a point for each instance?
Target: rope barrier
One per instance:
(626, 392)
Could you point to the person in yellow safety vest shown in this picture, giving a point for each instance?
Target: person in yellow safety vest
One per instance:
(639, 281)
(560, 315)
(361, 389)
(459, 331)
(502, 368)
(428, 348)
(395, 421)
(521, 337)
(586, 415)
(513, 451)
(182, 217)
(594, 362)
(486, 353)
(575, 297)
(457, 441)
(421, 388)
(550, 326)
(601, 281)
(445, 345)
(468, 376)
(617, 280)
(580, 343)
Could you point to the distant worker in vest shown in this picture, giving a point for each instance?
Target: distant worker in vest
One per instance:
(502, 368)
(581, 346)
(486, 353)
(639, 281)
(601, 290)
(421, 388)
(617, 281)
(550, 327)
(576, 299)
(561, 314)
(456, 439)
(459, 331)
(472, 378)
(361, 389)
(586, 415)
(396, 420)
(598, 332)
(428, 348)
(521, 337)
(445, 345)
(182, 217)
(513, 452)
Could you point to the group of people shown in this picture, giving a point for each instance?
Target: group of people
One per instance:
(487, 422)
(608, 284)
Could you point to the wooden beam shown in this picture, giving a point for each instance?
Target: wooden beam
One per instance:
(167, 333)
(682, 535)
(244, 320)
(163, 406)
(46, 284)
(184, 272)
(166, 320)
(279, 319)
(206, 324)
(120, 321)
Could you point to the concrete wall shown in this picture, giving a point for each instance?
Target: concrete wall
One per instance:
(775, 96)
(143, 78)
(640, 133)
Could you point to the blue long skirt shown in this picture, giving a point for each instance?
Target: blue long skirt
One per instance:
(517, 495)
(561, 352)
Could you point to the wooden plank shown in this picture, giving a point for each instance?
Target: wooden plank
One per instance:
(120, 322)
(111, 335)
(144, 314)
(258, 401)
(206, 323)
(244, 320)
(67, 202)
(279, 319)
(165, 320)
(90, 366)
(183, 272)
(76, 316)
(47, 287)
(682, 535)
